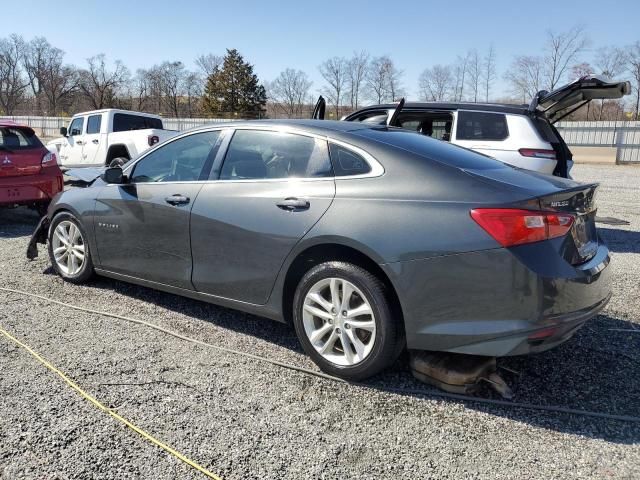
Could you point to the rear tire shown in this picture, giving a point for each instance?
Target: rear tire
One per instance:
(344, 321)
(68, 249)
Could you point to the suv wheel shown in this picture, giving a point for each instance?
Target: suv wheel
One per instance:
(343, 320)
(69, 250)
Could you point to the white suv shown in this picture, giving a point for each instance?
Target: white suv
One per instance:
(521, 135)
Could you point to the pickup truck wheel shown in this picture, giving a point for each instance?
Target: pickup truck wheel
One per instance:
(68, 249)
(118, 162)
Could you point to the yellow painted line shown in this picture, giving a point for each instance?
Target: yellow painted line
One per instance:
(106, 409)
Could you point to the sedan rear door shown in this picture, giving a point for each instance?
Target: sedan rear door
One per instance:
(271, 189)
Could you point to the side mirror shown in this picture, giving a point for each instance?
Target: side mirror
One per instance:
(63, 131)
(113, 175)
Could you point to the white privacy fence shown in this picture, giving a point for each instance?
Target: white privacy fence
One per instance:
(623, 135)
(48, 127)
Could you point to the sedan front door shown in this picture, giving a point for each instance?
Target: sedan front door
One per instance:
(142, 226)
(272, 188)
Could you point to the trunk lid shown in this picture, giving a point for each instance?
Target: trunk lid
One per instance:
(20, 151)
(553, 194)
(575, 94)
(582, 243)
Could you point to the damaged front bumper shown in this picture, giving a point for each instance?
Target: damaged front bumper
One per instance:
(38, 236)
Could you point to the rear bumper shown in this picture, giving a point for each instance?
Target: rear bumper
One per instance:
(491, 303)
(29, 189)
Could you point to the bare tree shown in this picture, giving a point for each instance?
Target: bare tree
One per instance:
(358, 65)
(377, 79)
(633, 65)
(489, 71)
(383, 80)
(13, 82)
(525, 76)
(460, 72)
(335, 73)
(562, 51)
(50, 79)
(475, 73)
(172, 79)
(609, 61)
(290, 91)
(436, 83)
(101, 85)
(394, 78)
(209, 63)
(193, 85)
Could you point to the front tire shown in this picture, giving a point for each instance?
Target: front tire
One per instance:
(68, 249)
(343, 319)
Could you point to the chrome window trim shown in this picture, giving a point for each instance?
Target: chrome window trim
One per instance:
(377, 169)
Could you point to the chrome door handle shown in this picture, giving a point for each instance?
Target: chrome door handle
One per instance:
(96, 141)
(292, 204)
(177, 199)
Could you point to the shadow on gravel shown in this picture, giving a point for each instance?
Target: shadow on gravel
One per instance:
(597, 370)
(17, 222)
(621, 240)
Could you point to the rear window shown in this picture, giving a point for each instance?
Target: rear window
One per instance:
(481, 126)
(123, 122)
(16, 138)
(439, 151)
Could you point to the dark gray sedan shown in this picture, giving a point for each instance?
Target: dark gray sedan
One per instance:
(368, 239)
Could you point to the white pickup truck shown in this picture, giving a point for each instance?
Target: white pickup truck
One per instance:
(99, 137)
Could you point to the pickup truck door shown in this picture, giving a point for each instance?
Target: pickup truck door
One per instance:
(142, 226)
(91, 142)
(71, 149)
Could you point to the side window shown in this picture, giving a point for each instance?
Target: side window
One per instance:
(346, 163)
(93, 124)
(124, 122)
(76, 126)
(183, 160)
(257, 154)
(481, 126)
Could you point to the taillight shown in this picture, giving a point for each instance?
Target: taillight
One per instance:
(152, 140)
(538, 153)
(514, 227)
(49, 158)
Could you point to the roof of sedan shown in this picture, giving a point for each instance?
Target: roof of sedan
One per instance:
(309, 125)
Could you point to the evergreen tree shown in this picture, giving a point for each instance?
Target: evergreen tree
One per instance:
(234, 89)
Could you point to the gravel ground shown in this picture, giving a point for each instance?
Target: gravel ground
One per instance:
(241, 418)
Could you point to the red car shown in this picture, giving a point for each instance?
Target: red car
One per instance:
(29, 173)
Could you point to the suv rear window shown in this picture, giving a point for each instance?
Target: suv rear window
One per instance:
(16, 138)
(481, 126)
(123, 122)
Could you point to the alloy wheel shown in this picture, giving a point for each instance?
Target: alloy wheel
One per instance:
(339, 321)
(68, 247)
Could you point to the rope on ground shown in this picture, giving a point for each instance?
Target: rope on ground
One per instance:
(401, 391)
(104, 408)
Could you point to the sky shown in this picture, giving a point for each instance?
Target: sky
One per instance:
(275, 35)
